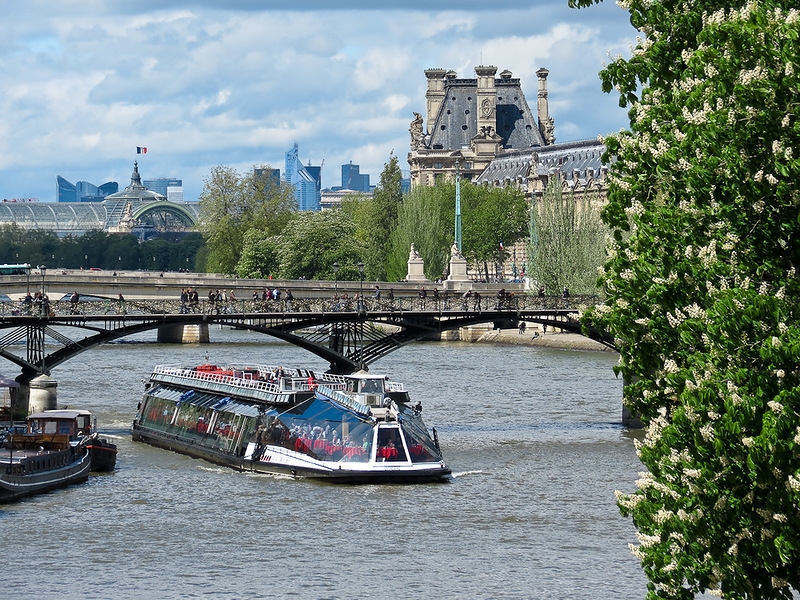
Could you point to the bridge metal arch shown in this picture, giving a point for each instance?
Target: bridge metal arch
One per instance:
(347, 340)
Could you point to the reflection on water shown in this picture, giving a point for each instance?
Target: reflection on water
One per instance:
(531, 434)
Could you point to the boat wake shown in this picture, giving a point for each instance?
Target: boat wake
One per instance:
(465, 473)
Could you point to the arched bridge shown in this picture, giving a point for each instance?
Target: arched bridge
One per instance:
(347, 333)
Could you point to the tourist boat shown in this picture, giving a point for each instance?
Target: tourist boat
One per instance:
(55, 449)
(358, 428)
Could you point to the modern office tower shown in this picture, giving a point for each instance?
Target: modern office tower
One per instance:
(305, 179)
(172, 189)
(83, 191)
(352, 179)
(273, 176)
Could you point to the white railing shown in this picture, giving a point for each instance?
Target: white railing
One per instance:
(292, 379)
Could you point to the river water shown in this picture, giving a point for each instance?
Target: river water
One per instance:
(532, 436)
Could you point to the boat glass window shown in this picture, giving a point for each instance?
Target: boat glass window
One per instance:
(371, 386)
(420, 444)
(321, 430)
(157, 413)
(390, 445)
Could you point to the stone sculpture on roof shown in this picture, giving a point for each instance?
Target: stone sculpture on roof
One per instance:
(416, 131)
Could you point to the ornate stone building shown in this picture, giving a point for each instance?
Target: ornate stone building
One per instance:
(484, 129)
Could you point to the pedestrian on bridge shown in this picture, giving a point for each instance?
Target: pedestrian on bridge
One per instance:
(73, 300)
(289, 297)
(476, 301)
(121, 305)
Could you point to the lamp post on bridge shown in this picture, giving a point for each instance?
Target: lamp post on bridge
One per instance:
(361, 312)
(361, 287)
(45, 306)
(335, 278)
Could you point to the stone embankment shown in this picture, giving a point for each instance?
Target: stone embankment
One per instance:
(562, 341)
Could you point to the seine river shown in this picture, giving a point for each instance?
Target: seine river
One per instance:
(532, 436)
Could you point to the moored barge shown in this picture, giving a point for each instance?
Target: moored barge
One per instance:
(56, 448)
(358, 428)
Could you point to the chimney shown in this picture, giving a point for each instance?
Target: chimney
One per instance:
(546, 125)
(434, 95)
(486, 98)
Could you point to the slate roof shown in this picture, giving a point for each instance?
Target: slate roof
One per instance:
(457, 121)
(577, 161)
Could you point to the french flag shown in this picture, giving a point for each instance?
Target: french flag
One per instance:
(141, 150)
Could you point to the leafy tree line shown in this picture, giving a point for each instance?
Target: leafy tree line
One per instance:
(97, 249)
(255, 232)
(704, 294)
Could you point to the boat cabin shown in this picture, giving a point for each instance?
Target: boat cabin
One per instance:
(73, 423)
(369, 390)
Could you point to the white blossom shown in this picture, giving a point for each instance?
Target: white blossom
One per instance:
(775, 407)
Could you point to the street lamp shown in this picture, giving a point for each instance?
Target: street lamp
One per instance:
(28, 279)
(336, 278)
(85, 261)
(361, 312)
(45, 308)
(361, 286)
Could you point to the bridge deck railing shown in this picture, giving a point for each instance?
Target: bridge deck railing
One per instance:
(306, 305)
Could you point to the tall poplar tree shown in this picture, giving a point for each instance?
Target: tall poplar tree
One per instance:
(567, 240)
(381, 218)
(704, 295)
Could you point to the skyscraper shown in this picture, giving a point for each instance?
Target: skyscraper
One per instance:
(352, 179)
(172, 189)
(83, 191)
(306, 180)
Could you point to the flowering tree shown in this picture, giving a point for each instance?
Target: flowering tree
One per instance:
(703, 295)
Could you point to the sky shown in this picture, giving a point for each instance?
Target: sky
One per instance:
(238, 82)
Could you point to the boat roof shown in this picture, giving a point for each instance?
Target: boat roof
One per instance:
(365, 375)
(59, 414)
(6, 382)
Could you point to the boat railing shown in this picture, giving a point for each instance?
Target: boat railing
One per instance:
(210, 376)
(292, 381)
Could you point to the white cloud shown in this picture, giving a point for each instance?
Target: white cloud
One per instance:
(83, 83)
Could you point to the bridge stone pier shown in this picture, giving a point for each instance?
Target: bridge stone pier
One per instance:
(183, 334)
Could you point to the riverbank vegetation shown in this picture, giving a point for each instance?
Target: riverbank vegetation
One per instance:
(567, 240)
(97, 249)
(249, 239)
(703, 292)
